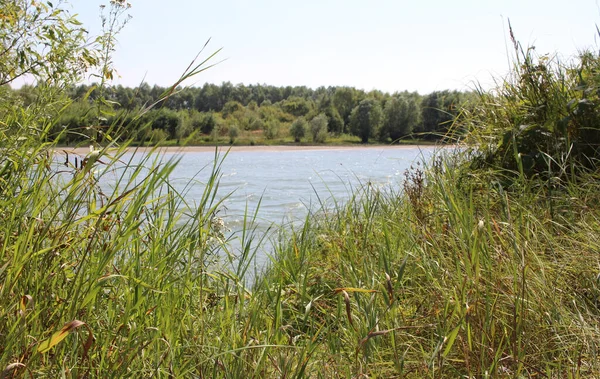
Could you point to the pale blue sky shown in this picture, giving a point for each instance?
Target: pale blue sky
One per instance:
(378, 44)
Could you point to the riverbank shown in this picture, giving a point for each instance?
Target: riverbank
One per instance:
(262, 148)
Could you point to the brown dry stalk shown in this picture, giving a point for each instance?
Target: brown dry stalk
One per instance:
(348, 309)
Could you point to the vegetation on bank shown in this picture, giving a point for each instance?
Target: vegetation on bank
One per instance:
(253, 114)
(483, 264)
(256, 114)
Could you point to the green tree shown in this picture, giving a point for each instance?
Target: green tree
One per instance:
(296, 106)
(230, 108)
(298, 129)
(233, 132)
(157, 135)
(318, 128)
(184, 128)
(271, 129)
(400, 116)
(344, 100)
(366, 119)
(438, 110)
(167, 120)
(42, 40)
(335, 123)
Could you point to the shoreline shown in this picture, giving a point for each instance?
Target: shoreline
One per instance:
(263, 148)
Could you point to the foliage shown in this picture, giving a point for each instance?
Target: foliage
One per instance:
(344, 100)
(231, 107)
(298, 129)
(205, 122)
(439, 109)
(296, 106)
(166, 120)
(271, 129)
(366, 119)
(239, 104)
(400, 117)
(318, 128)
(335, 123)
(42, 40)
(546, 117)
(233, 132)
(156, 136)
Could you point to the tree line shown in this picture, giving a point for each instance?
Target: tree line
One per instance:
(215, 112)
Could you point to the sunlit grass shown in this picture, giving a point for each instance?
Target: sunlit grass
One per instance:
(479, 264)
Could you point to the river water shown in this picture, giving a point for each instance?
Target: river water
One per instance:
(285, 185)
(290, 183)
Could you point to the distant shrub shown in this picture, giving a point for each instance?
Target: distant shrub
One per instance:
(157, 135)
(318, 128)
(298, 129)
(271, 129)
(234, 132)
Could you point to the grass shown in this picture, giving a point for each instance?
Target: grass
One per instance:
(444, 277)
(480, 265)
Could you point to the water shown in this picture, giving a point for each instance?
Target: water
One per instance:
(288, 184)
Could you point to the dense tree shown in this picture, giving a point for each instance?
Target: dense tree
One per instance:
(233, 132)
(296, 106)
(438, 110)
(166, 120)
(318, 128)
(271, 129)
(239, 105)
(366, 119)
(335, 123)
(298, 129)
(202, 122)
(400, 116)
(231, 107)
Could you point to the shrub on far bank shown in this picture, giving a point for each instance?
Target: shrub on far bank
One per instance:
(298, 129)
(318, 128)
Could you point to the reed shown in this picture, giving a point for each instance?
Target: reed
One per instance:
(480, 264)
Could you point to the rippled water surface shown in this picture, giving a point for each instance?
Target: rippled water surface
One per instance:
(289, 183)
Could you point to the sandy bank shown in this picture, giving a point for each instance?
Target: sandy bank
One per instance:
(233, 149)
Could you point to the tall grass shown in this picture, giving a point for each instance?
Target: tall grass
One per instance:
(451, 275)
(444, 283)
(483, 264)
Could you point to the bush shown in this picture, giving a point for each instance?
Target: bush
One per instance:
(271, 129)
(234, 132)
(298, 129)
(318, 128)
(157, 135)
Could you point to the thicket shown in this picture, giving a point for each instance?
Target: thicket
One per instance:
(483, 263)
(202, 112)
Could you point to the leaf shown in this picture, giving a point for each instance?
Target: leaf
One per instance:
(26, 302)
(450, 338)
(57, 337)
(352, 289)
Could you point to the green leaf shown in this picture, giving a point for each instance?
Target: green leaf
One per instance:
(450, 338)
(57, 337)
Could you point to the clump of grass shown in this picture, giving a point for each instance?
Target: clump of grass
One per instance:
(540, 120)
(486, 285)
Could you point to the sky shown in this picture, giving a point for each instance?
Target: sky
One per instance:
(388, 45)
